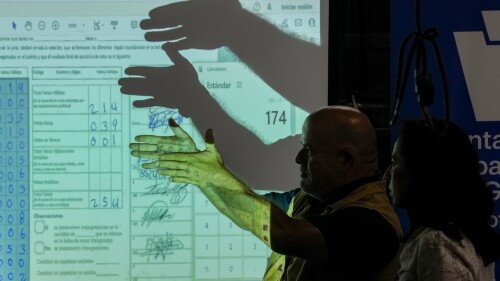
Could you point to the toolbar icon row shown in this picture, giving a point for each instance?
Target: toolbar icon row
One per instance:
(56, 25)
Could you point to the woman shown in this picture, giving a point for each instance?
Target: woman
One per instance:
(434, 175)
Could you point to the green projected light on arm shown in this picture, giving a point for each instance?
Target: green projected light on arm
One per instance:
(205, 169)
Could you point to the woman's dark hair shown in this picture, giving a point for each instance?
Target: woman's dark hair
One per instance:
(449, 193)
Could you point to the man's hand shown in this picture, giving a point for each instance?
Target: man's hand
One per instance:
(197, 24)
(151, 147)
(202, 168)
(205, 169)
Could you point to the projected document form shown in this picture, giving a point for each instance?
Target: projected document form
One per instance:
(74, 205)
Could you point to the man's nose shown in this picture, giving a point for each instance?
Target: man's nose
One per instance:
(299, 158)
(387, 174)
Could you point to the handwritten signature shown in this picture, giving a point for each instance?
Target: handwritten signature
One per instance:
(156, 212)
(161, 246)
(158, 117)
(177, 192)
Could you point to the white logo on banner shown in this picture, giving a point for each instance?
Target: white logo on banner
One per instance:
(481, 67)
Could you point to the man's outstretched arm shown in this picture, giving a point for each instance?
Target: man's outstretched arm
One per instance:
(232, 197)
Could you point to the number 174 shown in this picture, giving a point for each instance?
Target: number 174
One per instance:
(274, 116)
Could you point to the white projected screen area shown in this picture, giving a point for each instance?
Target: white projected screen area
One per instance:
(74, 204)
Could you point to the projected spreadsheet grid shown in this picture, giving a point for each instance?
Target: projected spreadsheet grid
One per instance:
(94, 212)
(83, 122)
(14, 165)
(196, 240)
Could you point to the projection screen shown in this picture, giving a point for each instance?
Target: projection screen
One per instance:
(74, 204)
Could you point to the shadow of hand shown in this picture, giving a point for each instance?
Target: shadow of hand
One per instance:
(194, 24)
(175, 86)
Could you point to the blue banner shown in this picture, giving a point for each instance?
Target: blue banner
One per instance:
(468, 41)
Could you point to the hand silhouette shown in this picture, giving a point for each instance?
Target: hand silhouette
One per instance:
(175, 86)
(294, 68)
(194, 24)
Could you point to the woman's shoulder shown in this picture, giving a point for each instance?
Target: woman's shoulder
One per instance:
(429, 235)
(431, 248)
(433, 239)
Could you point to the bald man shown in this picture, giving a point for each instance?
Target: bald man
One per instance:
(339, 226)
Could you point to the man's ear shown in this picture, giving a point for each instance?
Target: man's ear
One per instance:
(348, 156)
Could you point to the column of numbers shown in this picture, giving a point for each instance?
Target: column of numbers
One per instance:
(231, 249)
(14, 166)
(223, 251)
(105, 127)
(206, 221)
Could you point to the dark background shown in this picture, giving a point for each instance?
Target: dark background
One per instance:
(359, 63)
